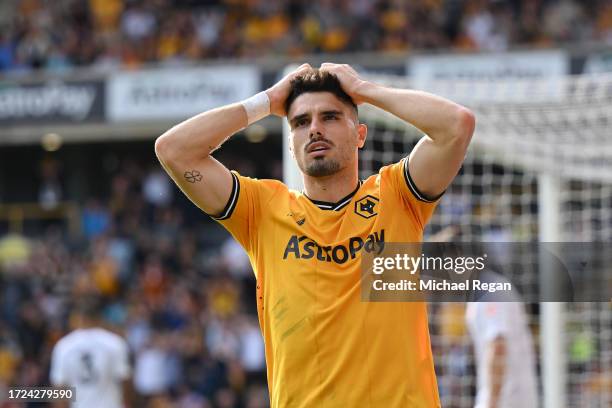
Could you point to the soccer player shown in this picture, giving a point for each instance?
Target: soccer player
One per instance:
(93, 360)
(505, 359)
(324, 346)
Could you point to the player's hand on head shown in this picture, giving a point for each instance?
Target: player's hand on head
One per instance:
(279, 92)
(349, 79)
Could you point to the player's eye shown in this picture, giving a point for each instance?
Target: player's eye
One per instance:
(301, 122)
(330, 116)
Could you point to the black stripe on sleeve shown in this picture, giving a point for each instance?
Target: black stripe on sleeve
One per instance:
(413, 188)
(231, 203)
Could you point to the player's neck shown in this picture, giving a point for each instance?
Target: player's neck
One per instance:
(331, 188)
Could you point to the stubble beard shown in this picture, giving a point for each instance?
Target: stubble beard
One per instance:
(322, 167)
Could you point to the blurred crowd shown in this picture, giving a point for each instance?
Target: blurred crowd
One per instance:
(106, 34)
(182, 295)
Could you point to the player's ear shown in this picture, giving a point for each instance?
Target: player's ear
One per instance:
(362, 134)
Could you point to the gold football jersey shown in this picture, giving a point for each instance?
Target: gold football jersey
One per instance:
(325, 347)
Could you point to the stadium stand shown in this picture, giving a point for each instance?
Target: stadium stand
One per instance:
(107, 34)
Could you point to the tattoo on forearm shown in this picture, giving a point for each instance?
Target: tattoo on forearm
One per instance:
(193, 176)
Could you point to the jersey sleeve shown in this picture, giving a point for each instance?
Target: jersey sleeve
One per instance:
(122, 366)
(241, 214)
(57, 376)
(421, 206)
(496, 319)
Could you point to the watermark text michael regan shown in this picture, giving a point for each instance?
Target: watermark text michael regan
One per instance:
(441, 285)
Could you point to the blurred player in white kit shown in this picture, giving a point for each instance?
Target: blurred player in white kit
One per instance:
(505, 359)
(93, 360)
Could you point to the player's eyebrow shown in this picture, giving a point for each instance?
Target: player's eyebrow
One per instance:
(296, 118)
(332, 112)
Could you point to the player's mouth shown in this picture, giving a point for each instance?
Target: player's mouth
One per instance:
(318, 148)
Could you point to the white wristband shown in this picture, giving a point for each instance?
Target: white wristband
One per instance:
(257, 107)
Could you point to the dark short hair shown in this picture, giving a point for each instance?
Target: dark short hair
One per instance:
(88, 307)
(317, 81)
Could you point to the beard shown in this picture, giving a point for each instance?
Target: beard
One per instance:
(322, 167)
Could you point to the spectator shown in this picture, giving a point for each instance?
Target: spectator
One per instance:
(150, 369)
(95, 219)
(487, 27)
(138, 22)
(603, 26)
(157, 188)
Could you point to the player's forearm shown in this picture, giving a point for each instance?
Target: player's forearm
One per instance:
(128, 394)
(441, 119)
(497, 369)
(198, 136)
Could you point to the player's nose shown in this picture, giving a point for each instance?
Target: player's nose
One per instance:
(316, 128)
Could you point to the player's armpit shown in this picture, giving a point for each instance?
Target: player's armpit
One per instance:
(205, 181)
(434, 164)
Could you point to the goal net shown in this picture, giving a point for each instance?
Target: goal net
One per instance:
(539, 168)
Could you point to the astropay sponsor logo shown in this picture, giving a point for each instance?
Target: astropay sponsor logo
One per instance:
(51, 100)
(303, 247)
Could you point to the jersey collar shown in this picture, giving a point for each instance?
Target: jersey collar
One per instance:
(343, 202)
